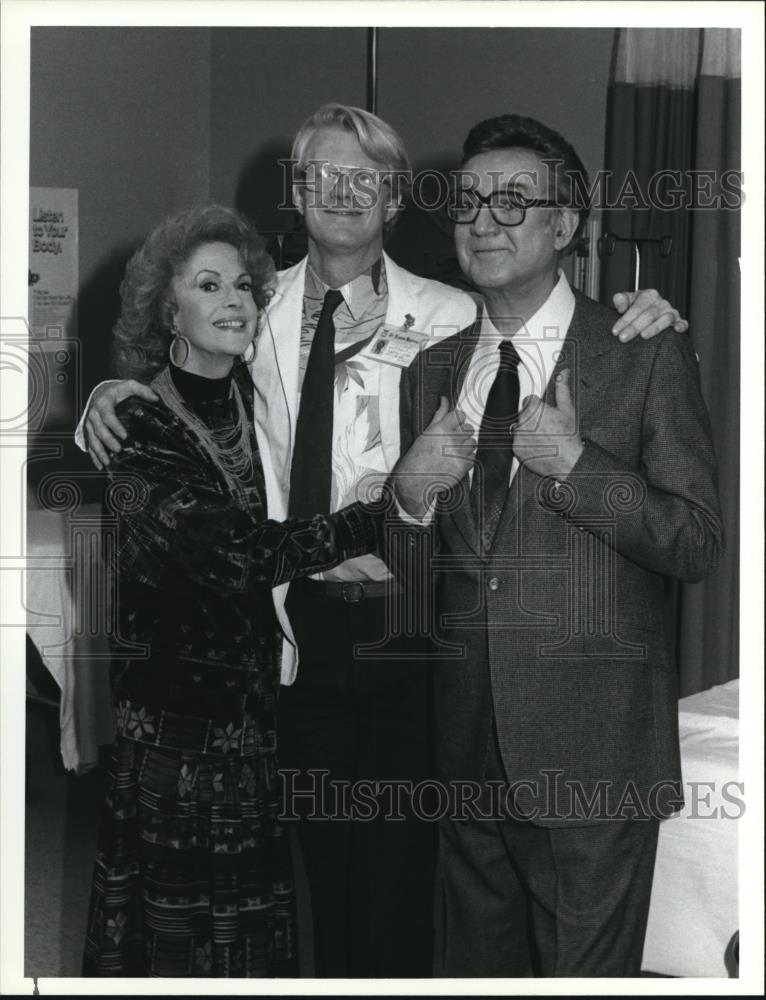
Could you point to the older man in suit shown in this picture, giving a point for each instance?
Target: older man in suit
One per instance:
(595, 480)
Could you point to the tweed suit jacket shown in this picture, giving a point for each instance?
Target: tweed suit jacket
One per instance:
(556, 624)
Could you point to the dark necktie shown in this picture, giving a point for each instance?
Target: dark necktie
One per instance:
(311, 473)
(494, 454)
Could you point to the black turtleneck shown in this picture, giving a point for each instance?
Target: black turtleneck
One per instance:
(197, 389)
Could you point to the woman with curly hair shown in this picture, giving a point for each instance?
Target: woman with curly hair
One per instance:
(192, 876)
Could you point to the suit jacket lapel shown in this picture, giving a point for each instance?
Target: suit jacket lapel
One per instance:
(581, 353)
(458, 501)
(584, 353)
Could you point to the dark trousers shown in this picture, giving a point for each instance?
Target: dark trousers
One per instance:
(369, 860)
(517, 899)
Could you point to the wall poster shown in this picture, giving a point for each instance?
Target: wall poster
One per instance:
(53, 260)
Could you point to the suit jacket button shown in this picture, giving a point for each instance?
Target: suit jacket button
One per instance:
(493, 583)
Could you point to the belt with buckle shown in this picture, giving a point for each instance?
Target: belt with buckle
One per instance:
(352, 592)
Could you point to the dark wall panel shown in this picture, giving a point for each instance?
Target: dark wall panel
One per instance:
(437, 82)
(264, 83)
(122, 115)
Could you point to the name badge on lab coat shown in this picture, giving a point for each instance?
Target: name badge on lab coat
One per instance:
(392, 346)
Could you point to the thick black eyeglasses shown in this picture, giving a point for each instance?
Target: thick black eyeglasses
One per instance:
(505, 208)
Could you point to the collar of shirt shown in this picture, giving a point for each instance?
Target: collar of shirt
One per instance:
(359, 294)
(538, 342)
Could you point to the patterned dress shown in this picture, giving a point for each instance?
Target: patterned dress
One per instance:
(193, 875)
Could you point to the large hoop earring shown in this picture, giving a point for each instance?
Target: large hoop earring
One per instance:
(251, 350)
(179, 339)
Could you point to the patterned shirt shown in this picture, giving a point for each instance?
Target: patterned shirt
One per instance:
(358, 458)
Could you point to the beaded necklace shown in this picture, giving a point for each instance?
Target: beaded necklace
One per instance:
(230, 450)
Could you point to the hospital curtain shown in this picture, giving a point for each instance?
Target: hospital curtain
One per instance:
(672, 170)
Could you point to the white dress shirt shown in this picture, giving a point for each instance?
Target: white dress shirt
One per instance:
(538, 343)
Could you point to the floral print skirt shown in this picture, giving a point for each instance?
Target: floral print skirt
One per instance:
(193, 874)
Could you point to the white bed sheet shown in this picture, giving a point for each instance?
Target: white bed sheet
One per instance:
(694, 907)
(68, 632)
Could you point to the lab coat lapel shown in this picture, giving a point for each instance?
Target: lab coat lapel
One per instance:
(275, 377)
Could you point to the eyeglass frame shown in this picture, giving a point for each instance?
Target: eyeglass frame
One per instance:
(484, 200)
(329, 172)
